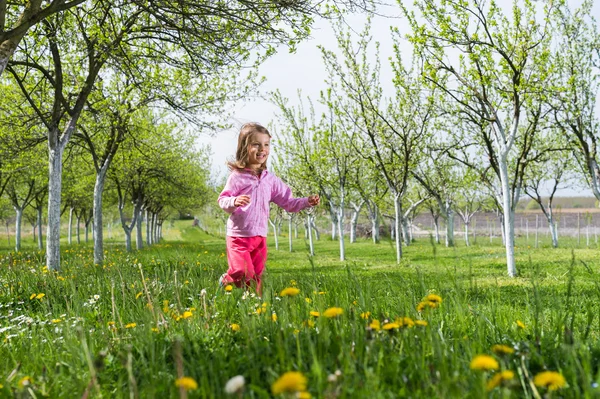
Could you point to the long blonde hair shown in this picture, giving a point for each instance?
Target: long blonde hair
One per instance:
(247, 133)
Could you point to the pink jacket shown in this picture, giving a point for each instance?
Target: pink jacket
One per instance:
(252, 220)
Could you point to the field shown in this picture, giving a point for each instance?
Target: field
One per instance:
(135, 326)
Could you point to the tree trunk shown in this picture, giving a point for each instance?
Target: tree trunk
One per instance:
(353, 224)
(78, 229)
(398, 212)
(334, 222)
(290, 222)
(310, 238)
(127, 240)
(405, 232)
(467, 234)
(436, 225)
(275, 234)
(553, 230)
(509, 226)
(139, 244)
(55, 153)
(449, 227)
(148, 238)
(375, 229)
(340, 217)
(40, 238)
(18, 221)
(70, 234)
(97, 209)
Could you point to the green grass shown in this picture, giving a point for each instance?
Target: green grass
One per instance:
(71, 344)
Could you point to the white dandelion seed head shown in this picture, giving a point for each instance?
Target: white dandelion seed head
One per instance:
(235, 384)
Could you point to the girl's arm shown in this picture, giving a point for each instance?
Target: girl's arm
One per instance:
(282, 196)
(228, 195)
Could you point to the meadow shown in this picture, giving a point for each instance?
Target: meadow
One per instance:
(445, 323)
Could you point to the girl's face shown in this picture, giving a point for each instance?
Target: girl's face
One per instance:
(258, 150)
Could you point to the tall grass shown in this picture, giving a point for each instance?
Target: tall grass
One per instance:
(132, 327)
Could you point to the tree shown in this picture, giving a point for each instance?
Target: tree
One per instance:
(578, 63)
(500, 73)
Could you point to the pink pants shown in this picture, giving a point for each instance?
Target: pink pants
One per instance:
(246, 257)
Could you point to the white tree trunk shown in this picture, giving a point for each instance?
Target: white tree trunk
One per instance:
(148, 238)
(275, 234)
(97, 211)
(405, 232)
(139, 244)
(449, 227)
(353, 224)
(467, 234)
(55, 153)
(290, 223)
(398, 213)
(70, 235)
(310, 238)
(509, 225)
(375, 229)
(78, 229)
(40, 238)
(341, 230)
(18, 222)
(553, 230)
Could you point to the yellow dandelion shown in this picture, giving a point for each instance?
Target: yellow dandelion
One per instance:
(274, 317)
(433, 298)
(289, 291)
(32, 296)
(551, 380)
(258, 311)
(303, 395)
(333, 312)
(500, 349)
(292, 381)
(187, 383)
(131, 325)
(40, 295)
(375, 325)
(187, 314)
(390, 326)
(308, 300)
(228, 288)
(56, 321)
(308, 323)
(61, 278)
(25, 381)
(314, 313)
(499, 378)
(405, 322)
(365, 315)
(235, 327)
(139, 294)
(154, 329)
(110, 323)
(484, 362)
(421, 323)
(520, 324)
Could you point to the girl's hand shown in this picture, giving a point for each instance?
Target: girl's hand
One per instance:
(314, 200)
(242, 200)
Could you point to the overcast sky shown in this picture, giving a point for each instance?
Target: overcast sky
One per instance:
(304, 70)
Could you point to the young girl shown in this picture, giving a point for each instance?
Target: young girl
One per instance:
(246, 196)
